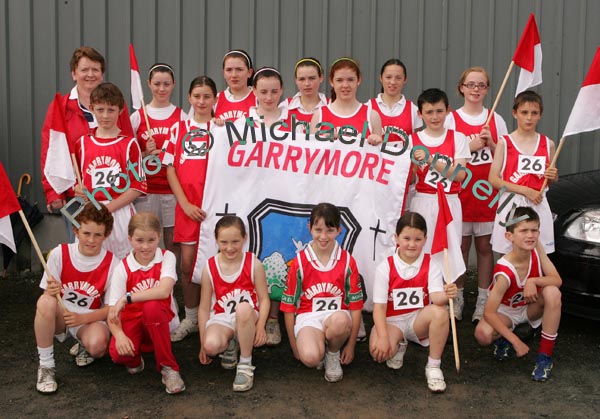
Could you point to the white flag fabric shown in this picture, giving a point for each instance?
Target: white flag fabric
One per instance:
(585, 115)
(273, 185)
(528, 56)
(137, 94)
(58, 168)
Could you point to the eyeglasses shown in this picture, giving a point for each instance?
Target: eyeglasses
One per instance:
(472, 85)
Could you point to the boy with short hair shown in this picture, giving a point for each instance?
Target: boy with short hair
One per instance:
(79, 274)
(524, 290)
(111, 165)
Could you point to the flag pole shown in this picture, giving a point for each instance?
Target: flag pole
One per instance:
(39, 253)
(452, 319)
(553, 163)
(76, 169)
(499, 95)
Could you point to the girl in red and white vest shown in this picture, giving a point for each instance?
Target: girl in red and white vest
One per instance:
(234, 304)
(308, 74)
(409, 302)
(142, 304)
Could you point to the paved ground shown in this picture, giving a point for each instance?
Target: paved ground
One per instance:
(284, 388)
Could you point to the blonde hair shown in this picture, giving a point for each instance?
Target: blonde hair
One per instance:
(468, 71)
(146, 221)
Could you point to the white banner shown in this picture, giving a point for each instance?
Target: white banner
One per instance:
(273, 185)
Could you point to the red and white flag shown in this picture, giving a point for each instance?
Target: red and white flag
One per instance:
(59, 167)
(585, 115)
(8, 205)
(528, 56)
(443, 228)
(137, 94)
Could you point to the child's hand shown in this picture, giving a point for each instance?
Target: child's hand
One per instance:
(520, 348)
(124, 345)
(374, 139)
(486, 135)
(52, 287)
(347, 355)
(218, 122)
(150, 146)
(194, 212)
(294, 349)
(55, 205)
(477, 142)
(115, 311)
(530, 293)
(381, 350)
(73, 319)
(534, 196)
(260, 338)
(79, 192)
(551, 174)
(451, 290)
(204, 359)
(420, 155)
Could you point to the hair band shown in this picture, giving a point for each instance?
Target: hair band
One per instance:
(237, 51)
(308, 60)
(344, 59)
(157, 66)
(264, 69)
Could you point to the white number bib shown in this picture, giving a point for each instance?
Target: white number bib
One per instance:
(531, 164)
(104, 177)
(326, 304)
(433, 177)
(76, 302)
(482, 156)
(231, 305)
(405, 298)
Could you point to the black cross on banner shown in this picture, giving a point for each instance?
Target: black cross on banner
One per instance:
(220, 214)
(376, 230)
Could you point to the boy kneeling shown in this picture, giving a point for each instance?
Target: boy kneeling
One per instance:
(524, 290)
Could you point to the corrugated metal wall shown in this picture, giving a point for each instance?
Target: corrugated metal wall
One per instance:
(436, 39)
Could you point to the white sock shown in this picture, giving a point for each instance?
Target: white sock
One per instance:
(46, 356)
(246, 360)
(434, 362)
(482, 294)
(192, 314)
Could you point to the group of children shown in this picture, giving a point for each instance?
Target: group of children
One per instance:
(161, 172)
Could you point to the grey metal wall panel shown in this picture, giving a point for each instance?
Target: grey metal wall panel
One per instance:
(436, 39)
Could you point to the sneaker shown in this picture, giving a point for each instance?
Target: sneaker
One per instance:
(244, 377)
(459, 305)
(74, 349)
(333, 367)
(83, 358)
(543, 368)
(186, 327)
(273, 332)
(362, 333)
(397, 360)
(46, 383)
(321, 364)
(172, 380)
(435, 379)
(229, 358)
(138, 369)
(502, 349)
(478, 313)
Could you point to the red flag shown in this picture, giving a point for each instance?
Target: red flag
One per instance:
(585, 115)
(8, 205)
(444, 218)
(528, 56)
(59, 167)
(137, 94)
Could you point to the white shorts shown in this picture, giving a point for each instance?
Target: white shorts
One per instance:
(163, 205)
(224, 319)
(315, 319)
(518, 315)
(499, 242)
(406, 322)
(477, 229)
(427, 205)
(73, 331)
(117, 242)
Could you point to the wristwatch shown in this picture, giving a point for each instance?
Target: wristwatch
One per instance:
(128, 296)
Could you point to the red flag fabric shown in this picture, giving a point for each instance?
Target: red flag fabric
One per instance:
(8, 205)
(528, 56)
(136, 82)
(440, 235)
(585, 115)
(58, 168)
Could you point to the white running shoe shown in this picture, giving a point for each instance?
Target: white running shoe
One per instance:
(273, 332)
(185, 328)
(459, 305)
(83, 357)
(46, 382)
(435, 379)
(74, 349)
(138, 369)
(397, 360)
(478, 313)
(333, 367)
(172, 380)
(244, 377)
(229, 358)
